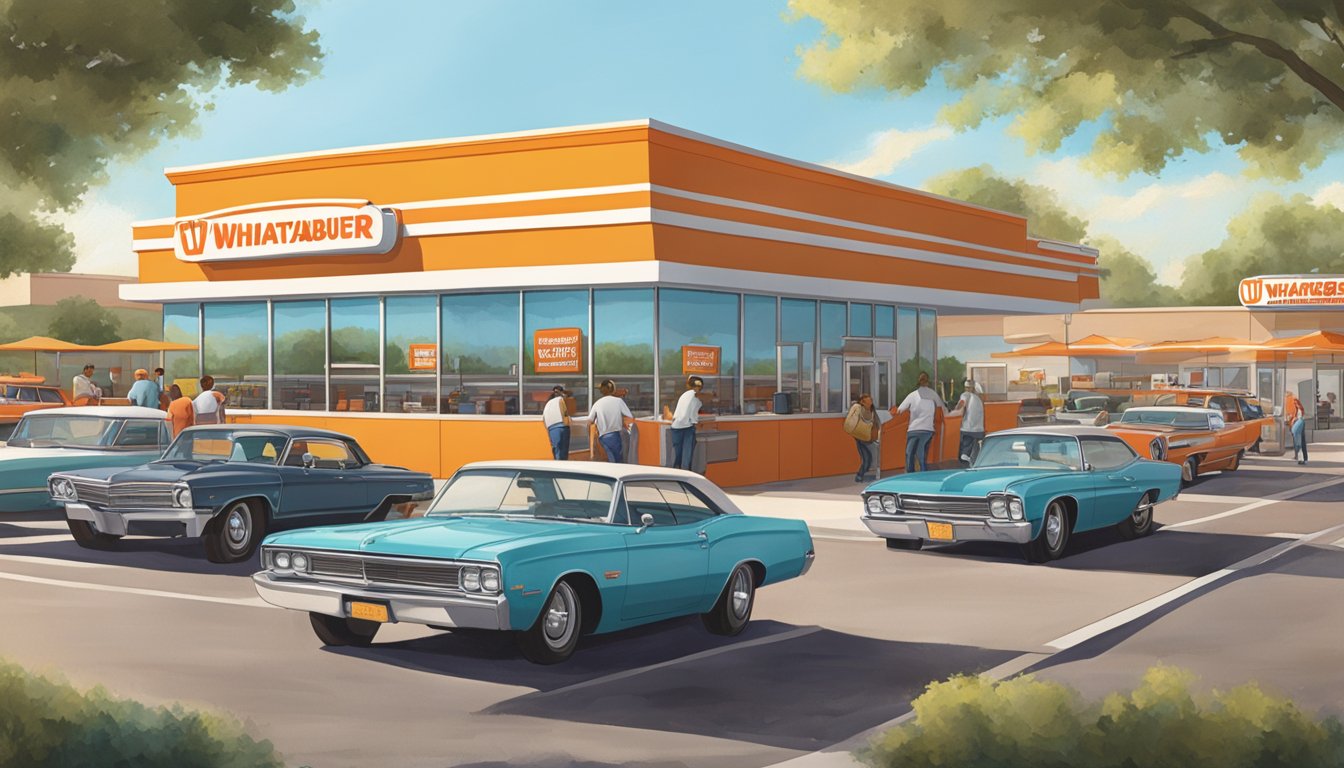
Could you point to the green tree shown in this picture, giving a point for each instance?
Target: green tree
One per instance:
(1155, 78)
(1274, 235)
(80, 320)
(85, 82)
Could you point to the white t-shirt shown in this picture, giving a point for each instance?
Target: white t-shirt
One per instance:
(973, 420)
(608, 414)
(687, 413)
(553, 413)
(206, 406)
(84, 387)
(922, 404)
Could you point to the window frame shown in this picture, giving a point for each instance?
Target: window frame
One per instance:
(350, 448)
(652, 482)
(1085, 440)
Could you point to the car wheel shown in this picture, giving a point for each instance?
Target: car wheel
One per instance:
(1190, 470)
(338, 630)
(555, 634)
(1236, 461)
(1053, 539)
(236, 534)
(732, 611)
(89, 537)
(910, 544)
(1140, 521)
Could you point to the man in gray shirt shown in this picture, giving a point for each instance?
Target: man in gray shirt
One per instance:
(972, 410)
(607, 419)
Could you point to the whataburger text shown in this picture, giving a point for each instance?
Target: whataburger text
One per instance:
(1290, 290)
(287, 230)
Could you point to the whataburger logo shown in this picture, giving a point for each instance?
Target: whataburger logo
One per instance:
(1292, 291)
(290, 228)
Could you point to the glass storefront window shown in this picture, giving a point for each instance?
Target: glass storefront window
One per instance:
(907, 351)
(758, 353)
(411, 355)
(480, 353)
(797, 351)
(354, 354)
(832, 326)
(884, 321)
(181, 325)
(861, 320)
(623, 344)
(300, 355)
(928, 342)
(555, 348)
(698, 335)
(235, 352)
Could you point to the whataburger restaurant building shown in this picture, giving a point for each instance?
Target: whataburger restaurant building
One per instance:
(425, 297)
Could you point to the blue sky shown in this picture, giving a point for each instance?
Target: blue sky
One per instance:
(728, 69)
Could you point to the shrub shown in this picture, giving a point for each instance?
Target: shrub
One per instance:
(1028, 723)
(48, 723)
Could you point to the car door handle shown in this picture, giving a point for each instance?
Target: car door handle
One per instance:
(704, 538)
(1125, 478)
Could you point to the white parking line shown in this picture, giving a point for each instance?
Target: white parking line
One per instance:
(52, 539)
(1266, 501)
(250, 602)
(55, 561)
(1216, 499)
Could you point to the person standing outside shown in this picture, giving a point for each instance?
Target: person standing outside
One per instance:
(972, 411)
(607, 419)
(209, 405)
(164, 399)
(555, 417)
(84, 387)
(181, 410)
(143, 392)
(1295, 415)
(684, 419)
(861, 424)
(922, 404)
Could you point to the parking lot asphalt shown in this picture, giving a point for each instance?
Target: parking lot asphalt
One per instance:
(827, 657)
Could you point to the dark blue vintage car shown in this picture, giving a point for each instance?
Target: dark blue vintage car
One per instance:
(231, 485)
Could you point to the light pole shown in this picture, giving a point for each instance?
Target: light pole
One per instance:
(1068, 358)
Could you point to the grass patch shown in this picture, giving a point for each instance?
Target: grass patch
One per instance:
(1163, 723)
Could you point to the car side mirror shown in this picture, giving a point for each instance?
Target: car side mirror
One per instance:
(645, 520)
(309, 461)
(1087, 467)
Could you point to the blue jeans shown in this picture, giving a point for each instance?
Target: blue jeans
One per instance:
(611, 443)
(559, 442)
(917, 449)
(970, 444)
(867, 456)
(1299, 431)
(683, 446)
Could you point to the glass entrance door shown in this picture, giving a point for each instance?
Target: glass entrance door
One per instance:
(860, 378)
(1330, 383)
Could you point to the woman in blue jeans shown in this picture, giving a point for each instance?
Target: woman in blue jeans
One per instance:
(1297, 427)
(922, 404)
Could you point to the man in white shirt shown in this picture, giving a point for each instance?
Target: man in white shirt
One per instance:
(922, 404)
(684, 419)
(555, 417)
(607, 419)
(209, 405)
(972, 411)
(85, 388)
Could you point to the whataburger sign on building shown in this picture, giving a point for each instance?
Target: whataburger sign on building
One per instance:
(1292, 291)
(287, 228)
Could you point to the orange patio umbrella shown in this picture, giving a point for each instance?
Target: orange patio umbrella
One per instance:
(37, 344)
(144, 345)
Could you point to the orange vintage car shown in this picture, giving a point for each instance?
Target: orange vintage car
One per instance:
(1239, 409)
(21, 394)
(1199, 439)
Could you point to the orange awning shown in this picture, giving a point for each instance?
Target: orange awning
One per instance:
(1317, 341)
(144, 345)
(1059, 349)
(1211, 345)
(43, 344)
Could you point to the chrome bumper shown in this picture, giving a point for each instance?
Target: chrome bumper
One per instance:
(120, 522)
(912, 527)
(301, 594)
(808, 559)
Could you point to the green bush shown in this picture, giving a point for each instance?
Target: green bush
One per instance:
(1028, 723)
(48, 723)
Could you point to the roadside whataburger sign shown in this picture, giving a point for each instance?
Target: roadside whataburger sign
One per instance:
(1292, 291)
(285, 229)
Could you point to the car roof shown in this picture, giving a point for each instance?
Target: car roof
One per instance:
(106, 411)
(1061, 430)
(617, 471)
(1172, 409)
(283, 429)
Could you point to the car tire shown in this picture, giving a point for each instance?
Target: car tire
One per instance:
(235, 535)
(1235, 464)
(338, 630)
(553, 637)
(1256, 448)
(89, 537)
(1189, 471)
(1053, 539)
(907, 544)
(732, 611)
(1140, 521)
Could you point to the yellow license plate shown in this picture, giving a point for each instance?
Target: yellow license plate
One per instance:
(941, 531)
(369, 612)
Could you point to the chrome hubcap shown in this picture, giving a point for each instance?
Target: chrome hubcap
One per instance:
(741, 593)
(1143, 512)
(1054, 528)
(238, 526)
(558, 627)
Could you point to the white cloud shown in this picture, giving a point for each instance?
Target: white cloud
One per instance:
(102, 233)
(1330, 194)
(1160, 195)
(888, 149)
(1171, 273)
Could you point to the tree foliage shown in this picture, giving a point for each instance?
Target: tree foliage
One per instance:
(85, 82)
(1156, 78)
(79, 320)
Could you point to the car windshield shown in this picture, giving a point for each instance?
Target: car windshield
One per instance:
(1030, 451)
(1091, 404)
(527, 493)
(1167, 418)
(49, 431)
(226, 445)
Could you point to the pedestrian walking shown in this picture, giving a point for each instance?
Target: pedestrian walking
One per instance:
(684, 419)
(971, 408)
(143, 392)
(607, 419)
(83, 390)
(181, 410)
(861, 423)
(921, 404)
(1296, 416)
(209, 405)
(555, 417)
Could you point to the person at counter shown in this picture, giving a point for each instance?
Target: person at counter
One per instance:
(555, 417)
(84, 390)
(607, 419)
(922, 404)
(971, 408)
(684, 419)
(144, 392)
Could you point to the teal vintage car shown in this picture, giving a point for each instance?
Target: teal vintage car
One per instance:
(63, 439)
(547, 550)
(1033, 486)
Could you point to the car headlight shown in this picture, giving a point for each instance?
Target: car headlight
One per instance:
(889, 504)
(1015, 508)
(182, 496)
(299, 561)
(874, 505)
(998, 507)
(489, 580)
(280, 560)
(62, 489)
(471, 579)
(1157, 449)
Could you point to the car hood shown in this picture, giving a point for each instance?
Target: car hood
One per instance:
(961, 482)
(12, 452)
(150, 472)
(439, 537)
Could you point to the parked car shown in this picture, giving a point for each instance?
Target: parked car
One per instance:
(1241, 410)
(1086, 407)
(74, 438)
(548, 550)
(1035, 410)
(231, 484)
(1195, 439)
(20, 395)
(1032, 486)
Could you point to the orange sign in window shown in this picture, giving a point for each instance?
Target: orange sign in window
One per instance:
(423, 357)
(700, 359)
(557, 350)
